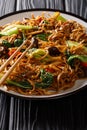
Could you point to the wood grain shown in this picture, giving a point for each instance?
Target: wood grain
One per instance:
(78, 7)
(28, 4)
(7, 6)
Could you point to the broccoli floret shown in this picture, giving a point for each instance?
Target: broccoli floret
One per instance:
(47, 79)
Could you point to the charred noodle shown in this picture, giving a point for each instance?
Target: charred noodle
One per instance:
(58, 57)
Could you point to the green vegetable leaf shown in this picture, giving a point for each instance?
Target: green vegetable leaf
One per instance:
(42, 36)
(82, 58)
(21, 84)
(18, 42)
(6, 43)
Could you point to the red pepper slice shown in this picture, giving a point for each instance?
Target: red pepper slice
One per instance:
(12, 51)
(84, 64)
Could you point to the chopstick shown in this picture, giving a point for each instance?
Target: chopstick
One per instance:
(12, 56)
(14, 65)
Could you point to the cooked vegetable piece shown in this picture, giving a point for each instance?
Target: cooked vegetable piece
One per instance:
(9, 32)
(19, 26)
(18, 42)
(11, 51)
(22, 84)
(38, 53)
(84, 64)
(3, 51)
(6, 43)
(41, 53)
(59, 17)
(74, 43)
(26, 27)
(53, 51)
(42, 36)
(82, 58)
(14, 29)
(47, 79)
(31, 50)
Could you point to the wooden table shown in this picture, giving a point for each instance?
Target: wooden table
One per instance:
(68, 113)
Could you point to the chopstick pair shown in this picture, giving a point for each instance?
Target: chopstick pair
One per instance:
(14, 65)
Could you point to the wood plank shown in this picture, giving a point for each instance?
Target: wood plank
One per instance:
(78, 7)
(7, 6)
(4, 111)
(28, 4)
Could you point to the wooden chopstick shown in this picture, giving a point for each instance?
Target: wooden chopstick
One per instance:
(12, 56)
(14, 65)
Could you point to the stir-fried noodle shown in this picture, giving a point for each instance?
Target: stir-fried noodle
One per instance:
(57, 59)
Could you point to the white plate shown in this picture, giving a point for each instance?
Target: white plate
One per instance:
(27, 13)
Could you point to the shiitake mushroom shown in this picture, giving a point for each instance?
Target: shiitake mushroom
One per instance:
(3, 51)
(53, 51)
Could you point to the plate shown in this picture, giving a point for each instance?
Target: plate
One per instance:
(27, 13)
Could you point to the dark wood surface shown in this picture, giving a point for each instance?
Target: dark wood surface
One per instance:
(69, 113)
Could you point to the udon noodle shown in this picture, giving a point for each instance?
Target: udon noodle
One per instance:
(57, 59)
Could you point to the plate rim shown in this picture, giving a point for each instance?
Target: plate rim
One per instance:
(43, 97)
(42, 9)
